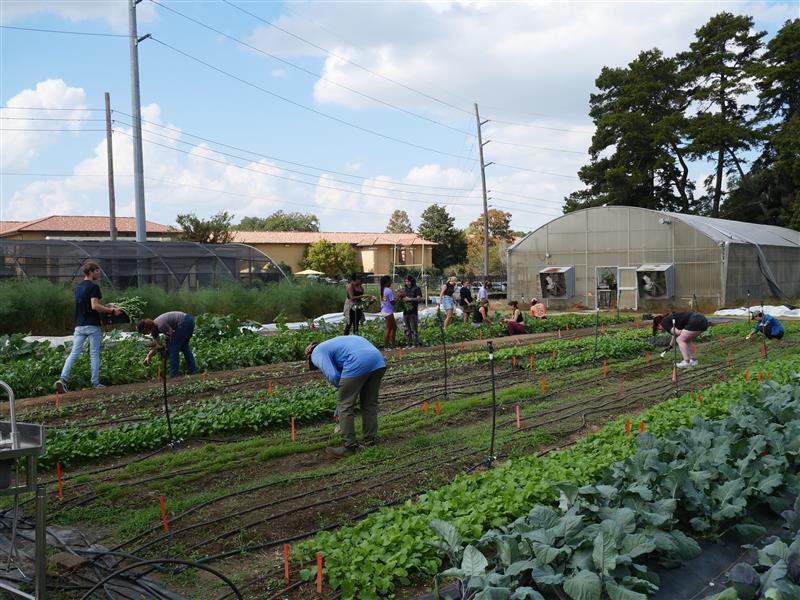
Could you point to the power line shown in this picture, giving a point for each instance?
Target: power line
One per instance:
(38, 129)
(310, 72)
(501, 199)
(282, 160)
(366, 183)
(305, 107)
(535, 212)
(47, 119)
(549, 149)
(65, 32)
(518, 168)
(532, 126)
(50, 108)
(347, 60)
(292, 179)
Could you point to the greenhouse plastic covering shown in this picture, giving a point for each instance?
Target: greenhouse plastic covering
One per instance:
(127, 263)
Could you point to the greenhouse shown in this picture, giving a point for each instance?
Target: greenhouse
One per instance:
(628, 257)
(125, 263)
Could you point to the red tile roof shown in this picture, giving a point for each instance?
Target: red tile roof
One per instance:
(59, 224)
(337, 237)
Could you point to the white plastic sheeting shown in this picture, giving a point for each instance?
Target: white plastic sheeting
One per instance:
(775, 311)
(338, 318)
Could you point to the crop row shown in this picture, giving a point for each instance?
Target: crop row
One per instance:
(390, 546)
(229, 414)
(31, 368)
(603, 539)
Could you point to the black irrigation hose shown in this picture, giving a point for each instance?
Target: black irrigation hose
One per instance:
(161, 561)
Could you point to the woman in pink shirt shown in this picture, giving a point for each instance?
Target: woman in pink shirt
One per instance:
(387, 312)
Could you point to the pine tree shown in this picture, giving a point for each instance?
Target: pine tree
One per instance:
(399, 223)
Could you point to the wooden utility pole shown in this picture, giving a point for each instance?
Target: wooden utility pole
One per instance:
(112, 203)
(481, 144)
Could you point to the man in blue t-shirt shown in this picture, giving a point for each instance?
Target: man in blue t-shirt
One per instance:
(355, 367)
(87, 325)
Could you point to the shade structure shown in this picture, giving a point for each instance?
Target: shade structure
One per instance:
(309, 272)
(127, 263)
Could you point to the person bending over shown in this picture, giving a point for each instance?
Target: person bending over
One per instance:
(355, 367)
(683, 327)
(178, 328)
(768, 325)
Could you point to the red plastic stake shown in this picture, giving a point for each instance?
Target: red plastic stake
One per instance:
(674, 374)
(437, 408)
(647, 358)
(628, 427)
(462, 346)
(769, 375)
(605, 369)
(700, 398)
(542, 385)
(425, 407)
(531, 364)
(553, 355)
(286, 563)
(641, 426)
(720, 338)
(517, 411)
(58, 476)
(728, 361)
(319, 572)
(759, 375)
(269, 388)
(747, 375)
(294, 433)
(763, 351)
(514, 361)
(164, 514)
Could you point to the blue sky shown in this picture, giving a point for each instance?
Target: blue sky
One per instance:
(530, 66)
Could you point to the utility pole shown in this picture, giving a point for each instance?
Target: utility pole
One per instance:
(481, 144)
(136, 122)
(112, 204)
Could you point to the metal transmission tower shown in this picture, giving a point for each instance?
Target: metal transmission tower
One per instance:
(136, 122)
(481, 144)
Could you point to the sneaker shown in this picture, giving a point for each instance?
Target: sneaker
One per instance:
(693, 362)
(340, 451)
(684, 364)
(99, 386)
(337, 428)
(388, 349)
(61, 386)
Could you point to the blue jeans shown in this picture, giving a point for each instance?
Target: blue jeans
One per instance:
(180, 343)
(95, 337)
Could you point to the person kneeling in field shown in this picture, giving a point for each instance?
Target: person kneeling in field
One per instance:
(768, 325)
(178, 327)
(355, 367)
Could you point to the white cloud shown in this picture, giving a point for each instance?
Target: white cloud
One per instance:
(23, 118)
(278, 73)
(113, 12)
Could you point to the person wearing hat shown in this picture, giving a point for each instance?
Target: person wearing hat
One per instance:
(178, 328)
(355, 367)
(768, 325)
(446, 299)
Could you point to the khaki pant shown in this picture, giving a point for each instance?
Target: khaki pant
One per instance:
(366, 388)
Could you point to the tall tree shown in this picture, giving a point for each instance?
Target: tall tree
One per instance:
(719, 66)
(499, 227)
(399, 223)
(436, 225)
(329, 258)
(216, 230)
(636, 153)
(771, 191)
(281, 221)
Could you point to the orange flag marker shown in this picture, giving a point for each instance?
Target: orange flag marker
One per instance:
(164, 514)
(294, 434)
(437, 408)
(286, 563)
(517, 411)
(319, 572)
(628, 427)
(641, 426)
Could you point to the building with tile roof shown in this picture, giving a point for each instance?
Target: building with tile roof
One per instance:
(58, 227)
(377, 253)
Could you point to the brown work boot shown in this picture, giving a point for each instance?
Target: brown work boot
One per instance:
(340, 451)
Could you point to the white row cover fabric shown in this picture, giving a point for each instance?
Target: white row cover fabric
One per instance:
(775, 311)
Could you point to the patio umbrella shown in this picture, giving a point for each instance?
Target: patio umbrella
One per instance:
(309, 272)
